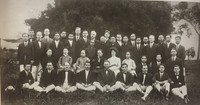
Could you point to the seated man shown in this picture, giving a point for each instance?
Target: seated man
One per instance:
(105, 79)
(64, 58)
(125, 80)
(86, 79)
(47, 80)
(161, 81)
(26, 80)
(144, 81)
(178, 84)
(66, 80)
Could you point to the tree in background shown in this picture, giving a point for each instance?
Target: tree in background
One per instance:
(191, 13)
(118, 16)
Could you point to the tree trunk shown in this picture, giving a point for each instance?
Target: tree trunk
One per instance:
(198, 52)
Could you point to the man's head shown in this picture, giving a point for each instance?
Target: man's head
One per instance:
(112, 39)
(168, 38)
(161, 68)
(46, 32)
(106, 64)
(27, 67)
(49, 52)
(87, 65)
(138, 40)
(103, 39)
(161, 38)
(158, 57)
(144, 69)
(83, 54)
(57, 36)
(132, 37)
(78, 30)
(145, 40)
(63, 34)
(92, 43)
(119, 37)
(49, 66)
(128, 54)
(176, 69)
(25, 37)
(151, 38)
(93, 34)
(125, 39)
(85, 33)
(107, 34)
(31, 33)
(39, 35)
(173, 52)
(65, 51)
(70, 36)
(99, 53)
(178, 39)
(144, 59)
(124, 68)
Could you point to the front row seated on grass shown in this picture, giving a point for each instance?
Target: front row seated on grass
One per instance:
(65, 80)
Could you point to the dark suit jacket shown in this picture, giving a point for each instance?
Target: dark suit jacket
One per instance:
(181, 52)
(124, 49)
(96, 65)
(48, 78)
(25, 53)
(82, 44)
(165, 76)
(177, 82)
(148, 80)
(38, 52)
(108, 79)
(151, 52)
(129, 78)
(137, 54)
(72, 49)
(104, 48)
(161, 50)
(57, 52)
(91, 52)
(169, 65)
(168, 50)
(24, 78)
(82, 79)
(154, 68)
(139, 68)
(47, 59)
(119, 48)
(61, 78)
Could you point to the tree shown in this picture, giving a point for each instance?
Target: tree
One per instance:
(190, 13)
(118, 16)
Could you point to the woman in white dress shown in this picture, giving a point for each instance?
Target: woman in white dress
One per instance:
(115, 62)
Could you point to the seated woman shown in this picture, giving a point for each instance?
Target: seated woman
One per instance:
(115, 62)
(64, 58)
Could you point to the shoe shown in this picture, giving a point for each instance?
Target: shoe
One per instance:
(143, 98)
(186, 100)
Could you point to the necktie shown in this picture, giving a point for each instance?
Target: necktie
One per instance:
(39, 44)
(144, 76)
(25, 43)
(124, 77)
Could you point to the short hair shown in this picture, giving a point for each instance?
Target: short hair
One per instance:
(138, 37)
(107, 61)
(65, 48)
(178, 37)
(143, 56)
(49, 62)
(107, 31)
(26, 64)
(169, 35)
(85, 31)
(176, 66)
(124, 64)
(162, 64)
(24, 34)
(100, 50)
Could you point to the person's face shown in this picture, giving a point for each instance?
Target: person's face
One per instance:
(132, 37)
(92, 43)
(65, 51)
(71, 36)
(128, 55)
(85, 34)
(158, 57)
(173, 52)
(25, 37)
(124, 68)
(177, 40)
(168, 38)
(49, 66)
(119, 37)
(83, 53)
(78, 30)
(99, 53)
(103, 39)
(161, 68)
(31, 33)
(113, 52)
(28, 67)
(106, 65)
(145, 40)
(161, 38)
(144, 59)
(87, 66)
(151, 39)
(56, 36)
(39, 35)
(46, 32)
(125, 39)
(107, 35)
(93, 34)
(144, 69)
(138, 40)
(112, 39)
(63, 34)
(176, 70)
(49, 52)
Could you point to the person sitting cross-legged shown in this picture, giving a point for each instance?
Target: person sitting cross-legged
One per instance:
(144, 81)
(178, 86)
(86, 79)
(47, 80)
(161, 81)
(125, 80)
(66, 79)
(105, 79)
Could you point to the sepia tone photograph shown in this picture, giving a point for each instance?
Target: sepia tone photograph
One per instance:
(100, 52)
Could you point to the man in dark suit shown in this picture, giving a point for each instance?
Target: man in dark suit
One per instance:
(105, 79)
(174, 60)
(145, 43)
(63, 37)
(48, 58)
(178, 84)
(31, 36)
(119, 44)
(125, 48)
(66, 80)
(151, 50)
(77, 34)
(57, 48)
(39, 53)
(71, 46)
(179, 48)
(47, 80)
(103, 46)
(112, 44)
(144, 82)
(86, 79)
(91, 51)
(107, 36)
(155, 65)
(168, 47)
(125, 80)
(162, 82)
(161, 46)
(132, 41)
(93, 35)
(25, 52)
(137, 51)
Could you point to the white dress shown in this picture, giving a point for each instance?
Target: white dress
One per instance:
(115, 64)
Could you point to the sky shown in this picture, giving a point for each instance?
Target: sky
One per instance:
(14, 12)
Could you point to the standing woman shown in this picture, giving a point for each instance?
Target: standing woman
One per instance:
(115, 62)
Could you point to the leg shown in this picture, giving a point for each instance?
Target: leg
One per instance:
(183, 89)
(118, 85)
(148, 90)
(59, 89)
(157, 86)
(177, 92)
(34, 72)
(49, 88)
(38, 88)
(72, 89)
(98, 86)
(132, 88)
(39, 72)
(91, 88)
(140, 89)
(166, 87)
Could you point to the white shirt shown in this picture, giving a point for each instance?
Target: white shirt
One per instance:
(119, 42)
(138, 46)
(158, 63)
(86, 74)
(39, 43)
(56, 42)
(168, 44)
(131, 63)
(70, 42)
(144, 76)
(161, 74)
(66, 78)
(173, 58)
(151, 44)
(132, 42)
(77, 37)
(85, 39)
(26, 43)
(115, 61)
(124, 75)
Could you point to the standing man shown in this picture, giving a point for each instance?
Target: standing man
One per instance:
(46, 39)
(25, 52)
(91, 51)
(119, 44)
(84, 42)
(137, 51)
(125, 48)
(63, 37)
(77, 34)
(145, 43)
(107, 36)
(168, 47)
(132, 40)
(155, 65)
(103, 46)
(180, 48)
(39, 53)
(71, 46)
(161, 46)
(31, 35)
(93, 35)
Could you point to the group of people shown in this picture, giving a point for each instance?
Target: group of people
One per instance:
(78, 61)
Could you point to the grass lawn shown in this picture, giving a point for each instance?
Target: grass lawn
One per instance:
(84, 98)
